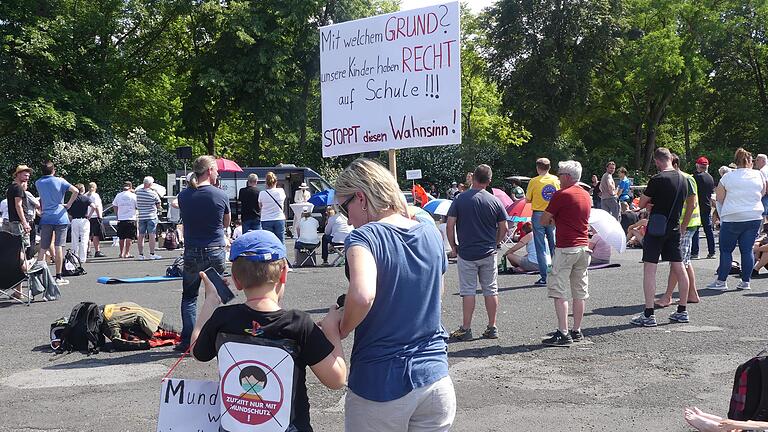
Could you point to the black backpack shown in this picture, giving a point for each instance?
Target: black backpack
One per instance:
(749, 400)
(83, 330)
(72, 265)
(171, 241)
(176, 269)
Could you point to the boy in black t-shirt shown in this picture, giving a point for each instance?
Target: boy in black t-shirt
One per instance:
(259, 269)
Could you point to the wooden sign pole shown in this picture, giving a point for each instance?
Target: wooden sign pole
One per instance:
(393, 162)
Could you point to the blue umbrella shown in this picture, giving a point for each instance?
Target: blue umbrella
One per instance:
(323, 198)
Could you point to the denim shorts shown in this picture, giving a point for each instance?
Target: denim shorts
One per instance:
(147, 226)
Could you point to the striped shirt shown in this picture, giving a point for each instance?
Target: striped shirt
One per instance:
(146, 202)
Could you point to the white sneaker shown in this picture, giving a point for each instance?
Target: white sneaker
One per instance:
(155, 257)
(743, 286)
(718, 285)
(61, 281)
(140, 258)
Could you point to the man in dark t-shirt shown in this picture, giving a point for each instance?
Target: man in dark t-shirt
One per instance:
(16, 195)
(249, 202)
(665, 194)
(705, 185)
(204, 208)
(480, 221)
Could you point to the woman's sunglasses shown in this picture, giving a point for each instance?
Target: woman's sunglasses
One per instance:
(343, 206)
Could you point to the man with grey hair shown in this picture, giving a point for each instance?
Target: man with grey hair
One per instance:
(148, 203)
(249, 205)
(761, 163)
(479, 220)
(569, 211)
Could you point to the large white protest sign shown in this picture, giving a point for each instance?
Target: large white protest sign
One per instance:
(189, 405)
(391, 81)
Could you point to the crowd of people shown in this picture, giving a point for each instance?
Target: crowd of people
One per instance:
(398, 374)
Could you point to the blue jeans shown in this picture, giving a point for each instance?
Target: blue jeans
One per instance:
(743, 234)
(195, 261)
(706, 224)
(275, 227)
(251, 225)
(542, 235)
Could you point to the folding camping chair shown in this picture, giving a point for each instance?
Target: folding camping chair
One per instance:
(509, 238)
(338, 249)
(309, 256)
(11, 274)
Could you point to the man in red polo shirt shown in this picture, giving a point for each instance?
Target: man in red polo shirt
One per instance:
(569, 211)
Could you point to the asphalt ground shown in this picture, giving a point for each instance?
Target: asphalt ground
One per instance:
(622, 378)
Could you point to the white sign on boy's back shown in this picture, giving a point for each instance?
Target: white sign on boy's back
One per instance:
(391, 81)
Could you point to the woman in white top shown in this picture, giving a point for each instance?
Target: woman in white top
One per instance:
(95, 219)
(307, 236)
(741, 213)
(272, 205)
(527, 262)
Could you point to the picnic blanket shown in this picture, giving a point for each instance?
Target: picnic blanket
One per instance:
(147, 279)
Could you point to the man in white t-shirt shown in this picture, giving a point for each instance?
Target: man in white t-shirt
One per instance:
(761, 163)
(306, 230)
(125, 209)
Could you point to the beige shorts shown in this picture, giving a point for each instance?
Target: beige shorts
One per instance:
(431, 408)
(483, 270)
(569, 273)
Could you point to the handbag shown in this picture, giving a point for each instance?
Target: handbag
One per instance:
(657, 222)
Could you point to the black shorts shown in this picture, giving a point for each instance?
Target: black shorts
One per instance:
(97, 229)
(667, 246)
(126, 230)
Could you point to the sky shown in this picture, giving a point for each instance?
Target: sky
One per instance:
(475, 5)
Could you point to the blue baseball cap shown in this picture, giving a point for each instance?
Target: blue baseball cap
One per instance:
(257, 245)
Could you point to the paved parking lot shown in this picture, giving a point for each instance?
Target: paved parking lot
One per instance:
(621, 378)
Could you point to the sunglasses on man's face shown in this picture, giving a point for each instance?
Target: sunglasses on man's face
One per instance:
(344, 205)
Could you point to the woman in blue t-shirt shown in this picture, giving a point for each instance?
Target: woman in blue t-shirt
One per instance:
(399, 364)
(625, 186)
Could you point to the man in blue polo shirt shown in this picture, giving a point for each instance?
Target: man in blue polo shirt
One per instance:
(53, 219)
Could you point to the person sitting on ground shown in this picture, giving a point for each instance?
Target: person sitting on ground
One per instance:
(336, 230)
(705, 422)
(636, 232)
(760, 251)
(526, 262)
(306, 230)
(260, 270)
(628, 217)
(601, 250)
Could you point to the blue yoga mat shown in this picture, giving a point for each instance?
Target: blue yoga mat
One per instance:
(147, 279)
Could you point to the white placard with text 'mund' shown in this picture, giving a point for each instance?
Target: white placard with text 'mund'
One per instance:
(391, 81)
